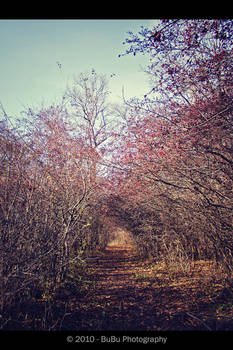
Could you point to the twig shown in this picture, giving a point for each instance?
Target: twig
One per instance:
(2, 326)
(207, 327)
(90, 259)
(63, 317)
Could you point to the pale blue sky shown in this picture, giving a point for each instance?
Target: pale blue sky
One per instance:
(30, 49)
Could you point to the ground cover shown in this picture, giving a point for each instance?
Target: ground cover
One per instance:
(120, 292)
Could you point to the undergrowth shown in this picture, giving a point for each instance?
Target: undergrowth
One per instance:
(47, 306)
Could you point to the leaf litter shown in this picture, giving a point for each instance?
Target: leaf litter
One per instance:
(133, 295)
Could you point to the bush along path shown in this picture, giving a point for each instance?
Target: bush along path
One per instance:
(133, 295)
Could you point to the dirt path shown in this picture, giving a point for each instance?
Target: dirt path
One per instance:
(128, 295)
(129, 304)
(121, 302)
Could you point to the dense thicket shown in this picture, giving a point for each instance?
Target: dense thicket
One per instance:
(175, 160)
(51, 191)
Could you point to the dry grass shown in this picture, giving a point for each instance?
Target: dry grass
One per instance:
(200, 292)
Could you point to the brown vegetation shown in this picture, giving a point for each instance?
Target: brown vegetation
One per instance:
(122, 293)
